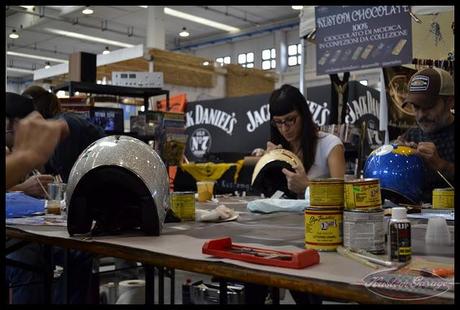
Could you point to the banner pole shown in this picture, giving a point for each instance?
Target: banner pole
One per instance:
(383, 109)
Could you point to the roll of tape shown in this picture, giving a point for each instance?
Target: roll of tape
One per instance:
(131, 292)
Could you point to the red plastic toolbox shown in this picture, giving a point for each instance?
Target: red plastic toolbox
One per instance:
(224, 247)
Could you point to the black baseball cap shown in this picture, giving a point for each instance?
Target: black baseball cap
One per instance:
(18, 106)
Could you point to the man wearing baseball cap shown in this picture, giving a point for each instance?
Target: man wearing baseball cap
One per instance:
(431, 93)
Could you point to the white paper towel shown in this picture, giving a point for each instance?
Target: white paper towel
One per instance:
(131, 292)
(108, 293)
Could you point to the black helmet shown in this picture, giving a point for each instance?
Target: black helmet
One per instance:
(120, 183)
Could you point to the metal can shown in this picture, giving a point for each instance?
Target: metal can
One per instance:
(326, 192)
(323, 228)
(443, 198)
(362, 194)
(183, 205)
(364, 229)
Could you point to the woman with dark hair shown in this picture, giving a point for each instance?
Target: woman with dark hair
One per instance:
(293, 128)
(322, 155)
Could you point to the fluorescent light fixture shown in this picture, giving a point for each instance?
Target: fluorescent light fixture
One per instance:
(27, 7)
(14, 34)
(36, 57)
(144, 6)
(297, 7)
(200, 20)
(184, 33)
(87, 11)
(86, 37)
(19, 70)
(106, 51)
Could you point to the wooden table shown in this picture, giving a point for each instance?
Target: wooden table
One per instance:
(179, 247)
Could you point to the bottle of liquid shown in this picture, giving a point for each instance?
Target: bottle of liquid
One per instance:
(399, 236)
(186, 291)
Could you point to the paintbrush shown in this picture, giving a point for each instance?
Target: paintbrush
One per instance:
(36, 173)
(444, 178)
(373, 258)
(346, 252)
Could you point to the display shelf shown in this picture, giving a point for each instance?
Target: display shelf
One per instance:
(92, 88)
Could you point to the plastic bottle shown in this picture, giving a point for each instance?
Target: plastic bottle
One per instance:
(186, 291)
(399, 236)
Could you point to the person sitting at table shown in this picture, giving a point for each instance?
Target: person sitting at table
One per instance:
(322, 155)
(431, 94)
(30, 185)
(80, 134)
(293, 128)
(35, 141)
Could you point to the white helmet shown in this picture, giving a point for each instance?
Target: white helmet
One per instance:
(120, 183)
(268, 177)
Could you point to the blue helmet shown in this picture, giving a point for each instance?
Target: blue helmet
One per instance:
(399, 170)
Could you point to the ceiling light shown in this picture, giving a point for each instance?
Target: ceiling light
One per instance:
(200, 20)
(106, 51)
(36, 57)
(86, 37)
(297, 7)
(14, 34)
(205, 63)
(47, 65)
(27, 7)
(184, 33)
(87, 11)
(19, 70)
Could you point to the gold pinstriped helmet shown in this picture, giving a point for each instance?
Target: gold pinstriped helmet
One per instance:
(267, 177)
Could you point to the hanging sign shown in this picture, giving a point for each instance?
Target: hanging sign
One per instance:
(352, 38)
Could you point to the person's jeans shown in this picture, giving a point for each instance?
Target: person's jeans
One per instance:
(30, 288)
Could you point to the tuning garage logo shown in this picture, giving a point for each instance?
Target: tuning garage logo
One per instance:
(416, 285)
(200, 142)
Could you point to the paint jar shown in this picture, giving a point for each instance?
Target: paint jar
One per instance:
(183, 205)
(362, 194)
(323, 228)
(443, 198)
(326, 192)
(364, 229)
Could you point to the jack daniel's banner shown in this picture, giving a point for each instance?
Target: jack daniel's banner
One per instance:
(350, 38)
(229, 125)
(241, 124)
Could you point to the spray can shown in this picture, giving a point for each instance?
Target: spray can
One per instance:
(399, 236)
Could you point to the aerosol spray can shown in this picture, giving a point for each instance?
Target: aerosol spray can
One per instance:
(399, 236)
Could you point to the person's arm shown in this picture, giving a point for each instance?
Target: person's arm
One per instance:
(429, 152)
(336, 162)
(32, 186)
(34, 141)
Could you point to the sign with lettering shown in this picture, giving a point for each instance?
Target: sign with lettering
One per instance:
(352, 38)
(229, 125)
(241, 124)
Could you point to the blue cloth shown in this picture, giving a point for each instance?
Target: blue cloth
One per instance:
(19, 204)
